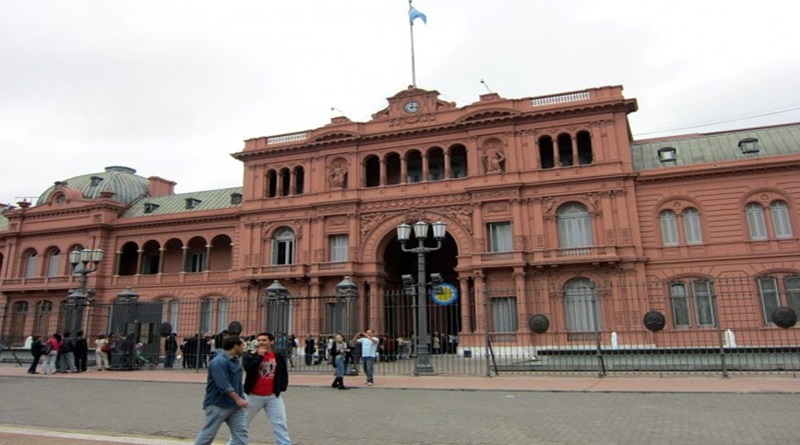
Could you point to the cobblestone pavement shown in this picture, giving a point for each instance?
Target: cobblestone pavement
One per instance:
(164, 412)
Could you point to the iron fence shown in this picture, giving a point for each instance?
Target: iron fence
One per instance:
(716, 327)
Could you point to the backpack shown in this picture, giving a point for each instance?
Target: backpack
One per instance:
(46, 348)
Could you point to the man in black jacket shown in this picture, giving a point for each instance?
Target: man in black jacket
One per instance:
(266, 378)
(81, 351)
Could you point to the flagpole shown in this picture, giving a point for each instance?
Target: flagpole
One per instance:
(413, 65)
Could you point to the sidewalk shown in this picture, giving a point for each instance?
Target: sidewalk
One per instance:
(651, 384)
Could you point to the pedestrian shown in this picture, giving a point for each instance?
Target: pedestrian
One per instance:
(54, 344)
(101, 349)
(338, 356)
(81, 351)
(308, 350)
(170, 350)
(36, 352)
(369, 348)
(225, 400)
(67, 352)
(266, 377)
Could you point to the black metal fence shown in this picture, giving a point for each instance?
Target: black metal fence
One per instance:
(721, 326)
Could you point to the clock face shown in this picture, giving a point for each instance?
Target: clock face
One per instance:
(411, 107)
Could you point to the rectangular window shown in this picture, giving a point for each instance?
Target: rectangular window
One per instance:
(500, 237)
(339, 248)
(504, 314)
(680, 305)
(770, 299)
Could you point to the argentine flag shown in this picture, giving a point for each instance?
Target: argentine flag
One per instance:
(414, 13)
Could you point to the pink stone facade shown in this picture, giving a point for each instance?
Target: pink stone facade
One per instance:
(536, 193)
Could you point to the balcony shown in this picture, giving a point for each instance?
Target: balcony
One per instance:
(38, 283)
(210, 276)
(574, 255)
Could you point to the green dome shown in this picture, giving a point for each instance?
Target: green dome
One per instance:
(121, 181)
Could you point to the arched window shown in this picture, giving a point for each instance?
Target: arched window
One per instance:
(286, 182)
(781, 222)
(283, 247)
(435, 164)
(31, 260)
(299, 180)
(669, 228)
(372, 171)
(54, 263)
(546, 156)
(393, 169)
(565, 150)
(584, 141)
(574, 228)
(414, 166)
(272, 184)
(458, 162)
(691, 226)
(755, 221)
(16, 335)
(579, 308)
(42, 323)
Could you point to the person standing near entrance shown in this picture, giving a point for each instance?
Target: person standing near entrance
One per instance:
(170, 350)
(224, 400)
(266, 377)
(369, 349)
(81, 352)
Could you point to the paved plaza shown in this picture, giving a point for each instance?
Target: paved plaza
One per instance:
(163, 407)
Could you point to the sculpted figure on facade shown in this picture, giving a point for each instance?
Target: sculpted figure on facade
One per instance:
(493, 158)
(337, 176)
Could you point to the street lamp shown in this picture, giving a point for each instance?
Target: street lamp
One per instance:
(81, 297)
(344, 314)
(278, 313)
(423, 364)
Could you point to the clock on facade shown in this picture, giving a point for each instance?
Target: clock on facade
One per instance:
(411, 107)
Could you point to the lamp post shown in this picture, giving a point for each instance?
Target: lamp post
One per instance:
(81, 297)
(423, 364)
(278, 313)
(346, 293)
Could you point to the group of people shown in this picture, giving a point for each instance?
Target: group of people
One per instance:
(63, 353)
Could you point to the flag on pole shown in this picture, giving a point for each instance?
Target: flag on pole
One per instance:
(414, 14)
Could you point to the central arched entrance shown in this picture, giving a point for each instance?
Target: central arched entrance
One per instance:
(444, 320)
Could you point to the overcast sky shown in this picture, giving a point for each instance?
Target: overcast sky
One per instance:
(171, 88)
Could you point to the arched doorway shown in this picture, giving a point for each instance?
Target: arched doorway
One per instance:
(444, 320)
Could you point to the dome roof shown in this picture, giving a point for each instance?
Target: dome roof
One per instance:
(121, 181)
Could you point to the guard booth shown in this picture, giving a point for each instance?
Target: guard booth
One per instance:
(135, 323)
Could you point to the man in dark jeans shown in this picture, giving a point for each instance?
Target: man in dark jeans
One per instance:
(170, 349)
(81, 351)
